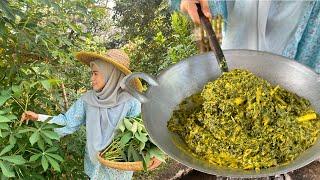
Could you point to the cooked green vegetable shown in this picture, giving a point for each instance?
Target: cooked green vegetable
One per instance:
(242, 121)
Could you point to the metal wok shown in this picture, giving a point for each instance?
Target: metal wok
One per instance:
(190, 75)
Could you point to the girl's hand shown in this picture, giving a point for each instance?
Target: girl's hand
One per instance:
(156, 163)
(29, 115)
(189, 7)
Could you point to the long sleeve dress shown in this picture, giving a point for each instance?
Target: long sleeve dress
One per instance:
(76, 117)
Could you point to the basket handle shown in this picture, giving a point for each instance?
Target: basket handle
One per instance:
(125, 84)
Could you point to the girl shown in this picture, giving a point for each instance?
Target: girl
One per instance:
(100, 109)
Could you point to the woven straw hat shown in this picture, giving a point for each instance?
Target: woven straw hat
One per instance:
(116, 57)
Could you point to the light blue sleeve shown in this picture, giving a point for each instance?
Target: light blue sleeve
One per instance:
(71, 120)
(135, 108)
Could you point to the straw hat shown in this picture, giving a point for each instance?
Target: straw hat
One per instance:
(116, 57)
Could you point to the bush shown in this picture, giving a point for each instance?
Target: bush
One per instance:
(37, 42)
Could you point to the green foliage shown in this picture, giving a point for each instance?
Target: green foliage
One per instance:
(164, 40)
(22, 145)
(132, 143)
(38, 39)
(73, 149)
(138, 17)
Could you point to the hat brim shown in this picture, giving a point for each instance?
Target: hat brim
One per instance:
(87, 57)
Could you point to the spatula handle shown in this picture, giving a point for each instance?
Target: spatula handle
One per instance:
(213, 41)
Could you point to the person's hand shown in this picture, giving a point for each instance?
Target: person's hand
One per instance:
(189, 7)
(155, 164)
(29, 115)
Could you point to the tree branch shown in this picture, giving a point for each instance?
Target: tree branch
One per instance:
(65, 99)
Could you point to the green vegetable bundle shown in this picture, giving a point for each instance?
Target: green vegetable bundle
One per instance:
(242, 121)
(132, 143)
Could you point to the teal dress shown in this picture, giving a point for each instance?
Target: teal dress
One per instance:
(303, 45)
(76, 117)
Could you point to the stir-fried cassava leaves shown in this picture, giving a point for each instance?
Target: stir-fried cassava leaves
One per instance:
(242, 121)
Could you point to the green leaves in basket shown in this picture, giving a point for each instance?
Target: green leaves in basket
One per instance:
(141, 137)
(127, 124)
(132, 143)
(134, 127)
(133, 154)
(121, 126)
(130, 150)
(125, 138)
(157, 153)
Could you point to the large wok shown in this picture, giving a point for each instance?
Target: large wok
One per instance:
(189, 76)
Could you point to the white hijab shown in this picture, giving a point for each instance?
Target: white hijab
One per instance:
(111, 94)
(104, 109)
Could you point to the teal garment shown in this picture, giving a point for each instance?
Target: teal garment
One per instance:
(75, 117)
(302, 45)
(308, 48)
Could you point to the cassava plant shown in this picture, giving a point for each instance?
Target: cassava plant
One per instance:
(26, 150)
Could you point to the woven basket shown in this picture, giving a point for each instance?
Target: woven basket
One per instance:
(129, 166)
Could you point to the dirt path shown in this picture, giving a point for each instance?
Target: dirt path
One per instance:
(172, 170)
(309, 172)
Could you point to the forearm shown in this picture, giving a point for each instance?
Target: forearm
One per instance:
(54, 120)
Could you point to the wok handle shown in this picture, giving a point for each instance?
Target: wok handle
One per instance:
(213, 41)
(125, 84)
